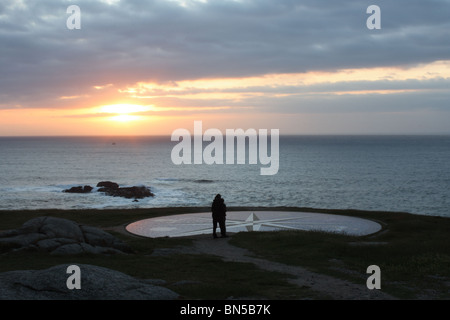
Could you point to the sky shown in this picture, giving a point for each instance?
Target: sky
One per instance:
(150, 67)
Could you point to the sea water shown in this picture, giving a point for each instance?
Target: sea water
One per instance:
(384, 173)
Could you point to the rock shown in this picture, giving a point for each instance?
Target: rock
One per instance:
(99, 238)
(61, 236)
(97, 283)
(79, 189)
(131, 192)
(53, 244)
(60, 228)
(71, 249)
(108, 185)
(112, 189)
(204, 181)
(136, 192)
(22, 240)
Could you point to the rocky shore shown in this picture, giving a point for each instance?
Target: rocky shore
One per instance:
(113, 189)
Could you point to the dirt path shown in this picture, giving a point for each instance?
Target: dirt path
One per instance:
(333, 287)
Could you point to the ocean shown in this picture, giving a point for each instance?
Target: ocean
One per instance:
(381, 173)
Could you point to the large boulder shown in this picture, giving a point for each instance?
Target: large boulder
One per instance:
(61, 236)
(97, 283)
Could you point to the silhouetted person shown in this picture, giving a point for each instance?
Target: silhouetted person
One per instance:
(219, 210)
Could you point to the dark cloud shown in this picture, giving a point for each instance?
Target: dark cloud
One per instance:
(131, 41)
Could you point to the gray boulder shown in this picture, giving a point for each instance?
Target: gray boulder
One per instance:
(96, 283)
(61, 236)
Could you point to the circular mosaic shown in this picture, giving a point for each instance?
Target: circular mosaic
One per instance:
(183, 225)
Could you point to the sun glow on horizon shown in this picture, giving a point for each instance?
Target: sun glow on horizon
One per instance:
(124, 112)
(124, 118)
(300, 103)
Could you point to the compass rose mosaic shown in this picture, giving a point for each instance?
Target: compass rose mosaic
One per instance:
(183, 225)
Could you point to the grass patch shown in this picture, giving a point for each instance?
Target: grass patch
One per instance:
(98, 218)
(193, 276)
(414, 255)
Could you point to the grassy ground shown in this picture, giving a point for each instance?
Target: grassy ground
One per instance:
(412, 251)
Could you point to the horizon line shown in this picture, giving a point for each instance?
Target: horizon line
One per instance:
(281, 135)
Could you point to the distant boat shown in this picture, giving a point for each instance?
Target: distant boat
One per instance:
(113, 143)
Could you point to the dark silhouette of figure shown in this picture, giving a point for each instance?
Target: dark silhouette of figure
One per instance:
(219, 210)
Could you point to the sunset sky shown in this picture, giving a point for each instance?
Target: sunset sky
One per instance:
(150, 67)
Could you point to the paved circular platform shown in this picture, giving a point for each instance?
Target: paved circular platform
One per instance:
(243, 221)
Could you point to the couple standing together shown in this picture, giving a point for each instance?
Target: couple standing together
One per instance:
(219, 210)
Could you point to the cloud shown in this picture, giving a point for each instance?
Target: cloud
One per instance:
(122, 43)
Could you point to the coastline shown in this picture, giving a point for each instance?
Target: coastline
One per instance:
(411, 251)
(12, 218)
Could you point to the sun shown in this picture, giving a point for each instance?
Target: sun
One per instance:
(124, 112)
